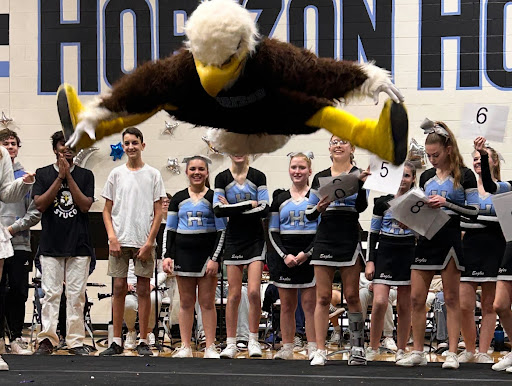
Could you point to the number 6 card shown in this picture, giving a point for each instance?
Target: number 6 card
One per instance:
(484, 120)
(385, 176)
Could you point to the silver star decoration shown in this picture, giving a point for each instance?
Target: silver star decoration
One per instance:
(173, 165)
(4, 120)
(169, 128)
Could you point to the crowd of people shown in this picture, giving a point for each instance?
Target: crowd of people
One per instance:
(309, 238)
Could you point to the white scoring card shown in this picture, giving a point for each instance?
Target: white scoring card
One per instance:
(412, 210)
(481, 119)
(385, 176)
(503, 206)
(339, 187)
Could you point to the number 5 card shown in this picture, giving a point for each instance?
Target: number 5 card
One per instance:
(483, 119)
(385, 176)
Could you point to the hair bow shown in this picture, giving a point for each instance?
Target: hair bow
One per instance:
(500, 157)
(197, 156)
(308, 154)
(430, 127)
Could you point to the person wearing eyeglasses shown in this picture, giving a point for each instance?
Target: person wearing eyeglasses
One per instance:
(337, 246)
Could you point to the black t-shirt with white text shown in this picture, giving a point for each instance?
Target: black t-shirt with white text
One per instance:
(65, 229)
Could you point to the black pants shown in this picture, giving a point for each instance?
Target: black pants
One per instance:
(14, 293)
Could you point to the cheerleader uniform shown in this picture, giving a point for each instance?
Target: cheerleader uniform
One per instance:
(395, 254)
(505, 268)
(434, 254)
(290, 232)
(194, 235)
(245, 238)
(337, 242)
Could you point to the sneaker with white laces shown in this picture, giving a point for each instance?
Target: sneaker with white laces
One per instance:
(151, 339)
(229, 352)
(400, 354)
(211, 352)
(319, 358)
(451, 361)
(415, 358)
(284, 353)
(466, 357)
(312, 347)
(182, 352)
(131, 340)
(2, 346)
(254, 348)
(357, 356)
(3, 365)
(371, 353)
(20, 347)
(389, 343)
(335, 337)
(298, 343)
(483, 357)
(504, 363)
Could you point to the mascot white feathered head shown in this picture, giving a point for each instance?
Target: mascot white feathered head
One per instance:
(221, 34)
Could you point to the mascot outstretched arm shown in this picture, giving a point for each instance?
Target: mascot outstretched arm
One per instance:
(257, 91)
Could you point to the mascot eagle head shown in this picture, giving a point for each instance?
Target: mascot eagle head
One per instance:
(220, 45)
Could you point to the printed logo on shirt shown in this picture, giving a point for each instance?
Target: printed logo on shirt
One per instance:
(324, 256)
(198, 218)
(384, 276)
(63, 204)
(420, 260)
(479, 273)
(245, 197)
(299, 218)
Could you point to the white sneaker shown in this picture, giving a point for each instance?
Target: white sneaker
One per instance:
(151, 339)
(211, 352)
(312, 348)
(335, 337)
(451, 361)
(2, 346)
(389, 343)
(415, 358)
(400, 354)
(20, 347)
(319, 358)
(284, 353)
(298, 343)
(182, 352)
(483, 357)
(461, 345)
(3, 365)
(466, 357)
(371, 353)
(254, 348)
(504, 363)
(229, 352)
(131, 340)
(509, 369)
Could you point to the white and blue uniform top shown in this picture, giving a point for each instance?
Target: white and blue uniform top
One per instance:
(195, 219)
(461, 200)
(289, 227)
(383, 223)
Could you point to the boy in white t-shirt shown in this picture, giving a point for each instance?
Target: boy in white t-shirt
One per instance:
(133, 211)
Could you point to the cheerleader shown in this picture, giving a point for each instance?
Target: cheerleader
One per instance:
(292, 235)
(337, 246)
(503, 297)
(390, 265)
(451, 186)
(483, 245)
(241, 195)
(194, 239)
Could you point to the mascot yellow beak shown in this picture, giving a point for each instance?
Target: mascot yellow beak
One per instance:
(214, 78)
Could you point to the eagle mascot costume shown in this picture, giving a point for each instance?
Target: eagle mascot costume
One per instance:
(255, 91)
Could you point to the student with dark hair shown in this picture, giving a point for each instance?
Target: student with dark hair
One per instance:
(195, 237)
(133, 213)
(18, 217)
(64, 193)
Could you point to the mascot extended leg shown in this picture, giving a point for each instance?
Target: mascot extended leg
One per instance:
(70, 110)
(356, 330)
(386, 137)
